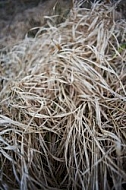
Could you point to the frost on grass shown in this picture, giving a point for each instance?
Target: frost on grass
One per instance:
(63, 110)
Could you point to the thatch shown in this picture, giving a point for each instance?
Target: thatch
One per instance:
(63, 110)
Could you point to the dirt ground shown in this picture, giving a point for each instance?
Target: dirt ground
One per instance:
(18, 17)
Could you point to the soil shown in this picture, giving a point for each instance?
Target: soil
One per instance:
(18, 17)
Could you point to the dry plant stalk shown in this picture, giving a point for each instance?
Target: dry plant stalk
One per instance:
(63, 110)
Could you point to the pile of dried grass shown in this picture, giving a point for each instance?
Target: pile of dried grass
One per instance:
(63, 110)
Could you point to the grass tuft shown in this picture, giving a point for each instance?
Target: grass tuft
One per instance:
(63, 110)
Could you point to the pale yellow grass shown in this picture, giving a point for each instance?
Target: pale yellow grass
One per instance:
(63, 110)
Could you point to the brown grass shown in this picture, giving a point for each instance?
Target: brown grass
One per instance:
(63, 110)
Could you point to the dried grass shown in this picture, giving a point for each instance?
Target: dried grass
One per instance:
(63, 111)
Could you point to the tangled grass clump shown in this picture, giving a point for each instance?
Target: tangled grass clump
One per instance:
(63, 110)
